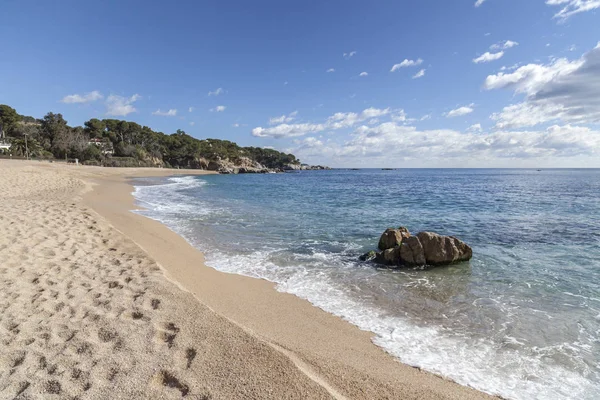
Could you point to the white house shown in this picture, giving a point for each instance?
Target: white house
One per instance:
(4, 143)
(105, 146)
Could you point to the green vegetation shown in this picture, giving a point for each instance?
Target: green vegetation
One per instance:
(114, 142)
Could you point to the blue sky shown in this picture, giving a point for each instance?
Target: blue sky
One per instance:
(501, 83)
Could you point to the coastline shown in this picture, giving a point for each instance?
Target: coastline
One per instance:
(319, 343)
(283, 346)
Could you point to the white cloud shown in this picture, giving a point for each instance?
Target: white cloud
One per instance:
(218, 109)
(572, 7)
(331, 70)
(190, 109)
(309, 142)
(345, 120)
(563, 90)
(192, 123)
(236, 125)
(474, 128)
(349, 55)
(216, 92)
(399, 116)
(392, 141)
(171, 113)
(419, 74)
(531, 78)
(363, 74)
(507, 44)
(479, 3)
(425, 117)
(487, 57)
(393, 144)
(121, 106)
(511, 68)
(86, 98)
(283, 119)
(406, 63)
(286, 130)
(460, 111)
(336, 121)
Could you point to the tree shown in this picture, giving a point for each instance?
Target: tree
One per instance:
(8, 118)
(95, 128)
(22, 129)
(19, 147)
(92, 152)
(69, 142)
(53, 125)
(122, 128)
(127, 138)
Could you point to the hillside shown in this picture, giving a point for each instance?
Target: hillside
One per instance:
(112, 142)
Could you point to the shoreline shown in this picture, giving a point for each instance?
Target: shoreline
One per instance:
(101, 302)
(335, 353)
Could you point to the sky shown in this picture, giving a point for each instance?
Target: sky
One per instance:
(345, 83)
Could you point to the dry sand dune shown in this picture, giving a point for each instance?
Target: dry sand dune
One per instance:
(85, 313)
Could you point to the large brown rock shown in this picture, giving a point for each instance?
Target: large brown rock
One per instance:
(392, 238)
(412, 252)
(443, 250)
(392, 256)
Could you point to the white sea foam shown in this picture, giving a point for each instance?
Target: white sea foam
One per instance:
(480, 363)
(165, 198)
(476, 363)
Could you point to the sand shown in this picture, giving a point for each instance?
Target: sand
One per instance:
(97, 302)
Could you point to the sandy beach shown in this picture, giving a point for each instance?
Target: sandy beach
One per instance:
(97, 302)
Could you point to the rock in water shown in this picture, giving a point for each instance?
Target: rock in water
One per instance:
(443, 250)
(368, 256)
(399, 248)
(412, 252)
(392, 256)
(392, 238)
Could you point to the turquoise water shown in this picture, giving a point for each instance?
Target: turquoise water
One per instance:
(521, 319)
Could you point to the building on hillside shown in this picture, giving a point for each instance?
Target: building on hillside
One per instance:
(106, 147)
(4, 143)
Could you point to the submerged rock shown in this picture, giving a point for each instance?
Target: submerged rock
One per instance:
(369, 256)
(399, 248)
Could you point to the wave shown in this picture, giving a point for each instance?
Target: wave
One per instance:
(478, 363)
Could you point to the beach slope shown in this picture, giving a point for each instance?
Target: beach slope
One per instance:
(98, 302)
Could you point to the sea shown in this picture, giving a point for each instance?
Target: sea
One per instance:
(520, 320)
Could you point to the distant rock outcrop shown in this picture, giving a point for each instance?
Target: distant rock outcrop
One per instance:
(244, 165)
(304, 167)
(399, 248)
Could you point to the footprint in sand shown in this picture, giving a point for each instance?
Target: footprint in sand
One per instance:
(169, 334)
(190, 354)
(169, 380)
